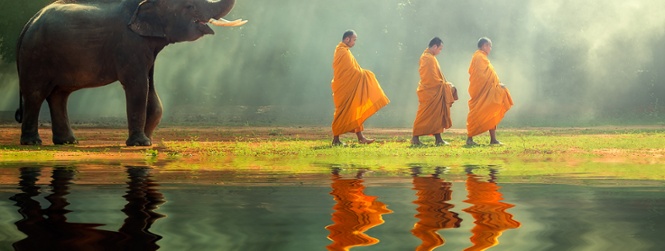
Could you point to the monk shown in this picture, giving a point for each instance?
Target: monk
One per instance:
(490, 99)
(356, 92)
(435, 97)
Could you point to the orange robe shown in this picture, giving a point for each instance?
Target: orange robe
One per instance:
(435, 96)
(354, 213)
(489, 101)
(356, 93)
(433, 211)
(490, 215)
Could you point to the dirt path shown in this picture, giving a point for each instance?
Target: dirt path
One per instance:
(96, 136)
(109, 143)
(90, 136)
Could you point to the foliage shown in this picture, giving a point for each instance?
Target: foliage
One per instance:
(563, 70)
(15, 14)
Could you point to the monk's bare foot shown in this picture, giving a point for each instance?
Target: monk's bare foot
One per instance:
(416, 142)
(496, 143)
(470, 142)
(442, 143)
(336, 142)
(366, 141)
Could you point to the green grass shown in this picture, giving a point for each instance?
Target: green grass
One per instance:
(517, 144)
(9, 154)
(527, 155)
(538, 154)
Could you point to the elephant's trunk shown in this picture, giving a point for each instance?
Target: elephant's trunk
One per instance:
(221, 8)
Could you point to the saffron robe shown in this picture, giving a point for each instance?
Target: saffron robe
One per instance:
(435, 97)
(356, 93)
(489, 100)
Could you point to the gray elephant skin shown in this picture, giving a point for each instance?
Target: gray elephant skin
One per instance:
(75, 44)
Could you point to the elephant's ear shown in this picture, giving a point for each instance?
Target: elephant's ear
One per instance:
(147, 21)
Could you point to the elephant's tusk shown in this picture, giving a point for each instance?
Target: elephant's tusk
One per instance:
(226, 23)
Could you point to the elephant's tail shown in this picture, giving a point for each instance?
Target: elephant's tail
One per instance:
(19, 112)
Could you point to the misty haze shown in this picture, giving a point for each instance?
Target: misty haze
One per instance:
(566, 63)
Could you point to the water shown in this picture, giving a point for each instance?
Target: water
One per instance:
(75, 206)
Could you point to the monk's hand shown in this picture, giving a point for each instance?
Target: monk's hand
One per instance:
(453, 91)
(226, 23)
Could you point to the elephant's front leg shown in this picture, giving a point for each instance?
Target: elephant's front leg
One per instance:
(136, 94)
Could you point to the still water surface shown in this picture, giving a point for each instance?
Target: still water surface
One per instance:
(118, 207)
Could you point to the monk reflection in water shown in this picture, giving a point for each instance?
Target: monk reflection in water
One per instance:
(354, 213)
(433, 210)
(490, 215)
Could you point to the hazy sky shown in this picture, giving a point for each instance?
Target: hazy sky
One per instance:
(561, 59)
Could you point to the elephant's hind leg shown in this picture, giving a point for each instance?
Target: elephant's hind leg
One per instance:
(62, 131)
(32, 102)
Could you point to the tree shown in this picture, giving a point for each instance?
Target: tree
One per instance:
(15, 13)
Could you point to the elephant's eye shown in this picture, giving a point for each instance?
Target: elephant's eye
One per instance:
(190, 7)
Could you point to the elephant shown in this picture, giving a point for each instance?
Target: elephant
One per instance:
(74, 44)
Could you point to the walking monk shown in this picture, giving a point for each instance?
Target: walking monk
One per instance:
(435, 96)
(356, 92)
(490, 99)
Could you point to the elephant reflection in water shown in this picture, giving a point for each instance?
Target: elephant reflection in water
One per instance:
(433, 208)
(354, 213)
(490, 215)
(48, 229)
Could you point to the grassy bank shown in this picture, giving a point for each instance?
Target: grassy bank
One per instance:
(627, 153)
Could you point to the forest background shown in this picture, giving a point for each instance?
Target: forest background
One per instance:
(567, 63)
